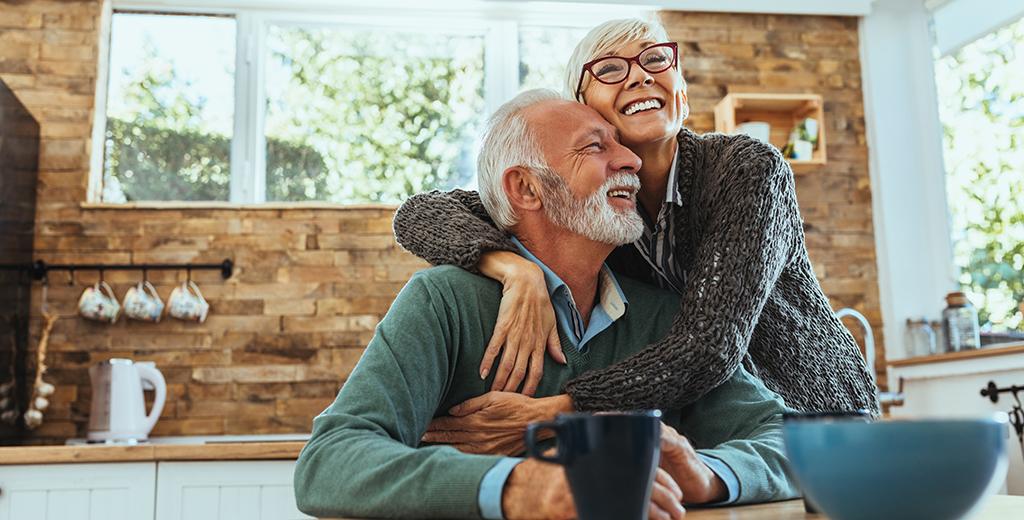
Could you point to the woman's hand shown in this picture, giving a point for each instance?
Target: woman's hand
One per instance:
(494, 423)
(525, 327)
(698, 483)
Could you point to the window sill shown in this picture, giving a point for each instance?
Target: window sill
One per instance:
(237, 206)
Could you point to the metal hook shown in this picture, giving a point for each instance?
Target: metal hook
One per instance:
(71, 277)
(188, 274)
(101, 275)
(45, 308)
(145, 275)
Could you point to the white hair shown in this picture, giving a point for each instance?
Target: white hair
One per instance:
(508, 142)
(605, 39)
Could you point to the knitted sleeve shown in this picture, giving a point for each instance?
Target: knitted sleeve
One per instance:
(448, 227)
(749, 238)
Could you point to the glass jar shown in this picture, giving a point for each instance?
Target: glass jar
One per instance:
(941, 345)
(921, 338)
(960, 323)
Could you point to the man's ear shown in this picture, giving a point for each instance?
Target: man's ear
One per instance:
(522, 188)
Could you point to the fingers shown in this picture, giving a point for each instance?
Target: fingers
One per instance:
(665, 479)
(536, 372)
(666, 498)
(471, 405)
(493, 348)
(469, 437)
(555, 347)
(508, 361)
(518, 372)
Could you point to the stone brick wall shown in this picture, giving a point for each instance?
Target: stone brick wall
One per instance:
(311, 283)
(725, 53)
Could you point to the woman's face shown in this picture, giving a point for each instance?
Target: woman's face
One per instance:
(660, 122)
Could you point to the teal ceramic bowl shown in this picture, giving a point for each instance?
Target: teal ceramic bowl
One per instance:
(906, 469)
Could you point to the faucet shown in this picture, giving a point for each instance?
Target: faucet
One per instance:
(884, 398)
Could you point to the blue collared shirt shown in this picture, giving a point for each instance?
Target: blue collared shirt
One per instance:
(611, 306)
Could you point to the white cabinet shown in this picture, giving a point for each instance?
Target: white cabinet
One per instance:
(217, 490)
(226, 491)
(952, 388)
(107, 491)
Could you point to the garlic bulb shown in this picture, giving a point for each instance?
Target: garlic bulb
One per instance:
(6, 388)
(33, 418)
(41, 403)
(45, 389)
(6, 403)
(9, 417)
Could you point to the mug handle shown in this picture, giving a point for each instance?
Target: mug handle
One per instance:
(148, 287)
(195, 288)
(106, 289)
(533, 449)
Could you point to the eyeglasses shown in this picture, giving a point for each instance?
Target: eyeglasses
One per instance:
(615, 69)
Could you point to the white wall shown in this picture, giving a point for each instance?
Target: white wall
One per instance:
(907, 175)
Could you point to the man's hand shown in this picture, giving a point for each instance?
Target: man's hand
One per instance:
(699, 484)
(538, 489)
(494, 423)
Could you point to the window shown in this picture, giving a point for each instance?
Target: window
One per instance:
(981, 98)
(255, 106)
(170, 107)
(543, 53)
(368, 115)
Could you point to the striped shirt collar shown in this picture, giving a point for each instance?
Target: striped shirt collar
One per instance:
(672, 194)
(657, 244)
(611, 304)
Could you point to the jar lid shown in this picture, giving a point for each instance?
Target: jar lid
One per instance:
(957, 299)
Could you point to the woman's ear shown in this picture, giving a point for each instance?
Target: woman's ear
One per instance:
(522, 189)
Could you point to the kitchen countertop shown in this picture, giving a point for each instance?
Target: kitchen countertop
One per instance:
(287, 450)
(998, 507)
(1003, 349)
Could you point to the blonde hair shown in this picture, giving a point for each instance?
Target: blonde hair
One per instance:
(507, 142)
(604, 39)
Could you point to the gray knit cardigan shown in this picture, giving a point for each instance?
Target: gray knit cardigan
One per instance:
(750, 294)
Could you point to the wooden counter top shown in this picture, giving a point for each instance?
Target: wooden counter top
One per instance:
(998, 507)
(989, 351)
(150, 452)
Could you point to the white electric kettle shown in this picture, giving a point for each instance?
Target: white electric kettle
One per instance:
(118, 405)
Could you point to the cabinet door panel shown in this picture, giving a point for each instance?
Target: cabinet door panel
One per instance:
(112, 491)
(226, 490)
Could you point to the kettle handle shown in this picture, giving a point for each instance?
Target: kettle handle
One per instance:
(148, 372)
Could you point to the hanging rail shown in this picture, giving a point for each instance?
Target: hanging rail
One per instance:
(992, 391)
(40, 267)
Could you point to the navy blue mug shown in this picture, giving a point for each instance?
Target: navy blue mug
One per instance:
(610, 460)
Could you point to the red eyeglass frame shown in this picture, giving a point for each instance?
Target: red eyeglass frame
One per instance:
(588, 66)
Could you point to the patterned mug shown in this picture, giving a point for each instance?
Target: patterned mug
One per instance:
(143, 303)
(187, 303)
(99, 303)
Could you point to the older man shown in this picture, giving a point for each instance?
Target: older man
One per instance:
(553, 173)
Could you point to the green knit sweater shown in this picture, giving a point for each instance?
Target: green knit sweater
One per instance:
(364, 458)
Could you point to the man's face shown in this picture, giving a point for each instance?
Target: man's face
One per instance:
(591, 185)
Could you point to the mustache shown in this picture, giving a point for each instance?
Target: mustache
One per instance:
(626, 178)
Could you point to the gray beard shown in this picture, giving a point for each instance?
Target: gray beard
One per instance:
(591, 217)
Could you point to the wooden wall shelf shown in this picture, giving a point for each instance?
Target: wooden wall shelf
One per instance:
(781, 111)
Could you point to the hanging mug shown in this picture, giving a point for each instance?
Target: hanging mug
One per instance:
(187, 303)
(143, 303)
(99, 303)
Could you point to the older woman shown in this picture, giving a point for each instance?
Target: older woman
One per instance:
(723, 230)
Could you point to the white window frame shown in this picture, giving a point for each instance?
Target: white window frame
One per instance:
(497, 22)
